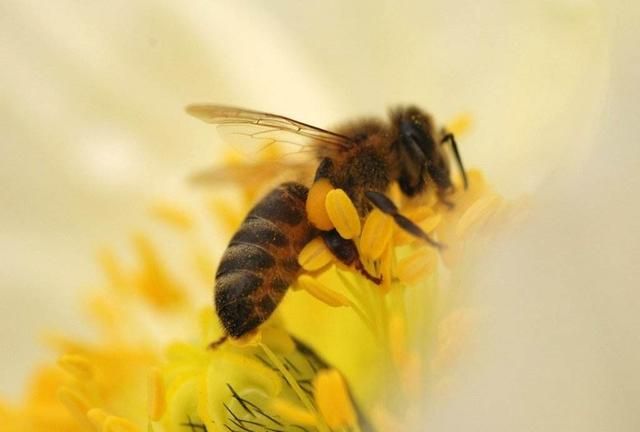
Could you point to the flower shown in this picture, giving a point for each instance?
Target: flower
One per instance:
(142, 373)
(538, 88)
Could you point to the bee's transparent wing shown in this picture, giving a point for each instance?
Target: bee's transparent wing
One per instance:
(264, 173)
(252, 131)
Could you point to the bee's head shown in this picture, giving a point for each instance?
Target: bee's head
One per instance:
(420, 154)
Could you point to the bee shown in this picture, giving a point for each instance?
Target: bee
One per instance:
(362, 158)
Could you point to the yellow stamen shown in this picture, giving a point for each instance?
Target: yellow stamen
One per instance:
(386, 263)
(76, 404)
(292, 412)
(155, 283)
(453, 331)
(430, 223)
(119, 424)
(417, 266)
(322, 293)
(315, 255)
(425, 217)
(97, 417)
(295, 386)
(385, 421)
(229, 216)
(398, 340)
(410, 375)
(477, 213)
(343, 213)
(316, 210)
(377, 231)
(460, 124)
(332, 399)
(203, 404)
(112, 269)
(204, 263)
(157, 403)
(78, 366)
(172, 215)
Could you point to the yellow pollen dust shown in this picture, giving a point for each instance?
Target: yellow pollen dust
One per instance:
(315, 205)
(333, 401)
(343, 214)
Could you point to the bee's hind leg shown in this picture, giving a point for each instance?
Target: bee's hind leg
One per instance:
(347, 252)
(385, 205)
(216, 343)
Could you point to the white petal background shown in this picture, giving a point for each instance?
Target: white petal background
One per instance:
(92, 129)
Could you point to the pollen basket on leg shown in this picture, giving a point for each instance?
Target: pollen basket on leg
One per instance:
(315, 205)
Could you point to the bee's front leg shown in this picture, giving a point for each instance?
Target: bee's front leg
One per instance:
(347, 252)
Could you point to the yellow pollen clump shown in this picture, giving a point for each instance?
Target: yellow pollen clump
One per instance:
(157, 403)
(322, 293)
(315, 205)
(376, 233)
(343, 214)
(315, 255)
(333, 401)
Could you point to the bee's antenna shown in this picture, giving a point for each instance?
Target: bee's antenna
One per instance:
(449, 137)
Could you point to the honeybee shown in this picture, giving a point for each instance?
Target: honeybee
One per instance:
(363, 158)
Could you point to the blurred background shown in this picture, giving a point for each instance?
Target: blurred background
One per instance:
(93, 129)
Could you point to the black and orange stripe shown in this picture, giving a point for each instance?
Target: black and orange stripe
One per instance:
(261, 260)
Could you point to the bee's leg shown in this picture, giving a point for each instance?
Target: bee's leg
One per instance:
(448, 136)
(385, 205)
(347, 252)
(215, 344)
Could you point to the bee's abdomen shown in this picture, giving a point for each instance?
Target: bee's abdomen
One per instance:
(261, 260)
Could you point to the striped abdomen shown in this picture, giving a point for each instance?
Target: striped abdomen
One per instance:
(261, 260)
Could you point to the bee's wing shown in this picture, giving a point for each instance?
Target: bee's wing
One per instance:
(263, 173)
(259, 130)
